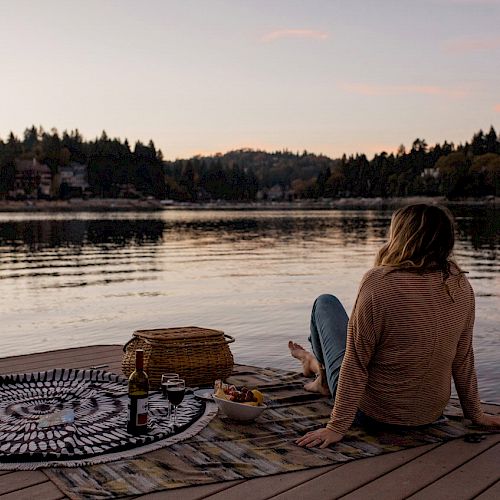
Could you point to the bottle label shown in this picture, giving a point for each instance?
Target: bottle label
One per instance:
(138, 411)
(142, 411)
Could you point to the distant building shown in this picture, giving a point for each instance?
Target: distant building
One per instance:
(430, 172)
(73, 178)
(32, 179)
(276, 193)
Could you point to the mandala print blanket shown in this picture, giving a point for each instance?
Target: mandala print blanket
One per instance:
(74, 415)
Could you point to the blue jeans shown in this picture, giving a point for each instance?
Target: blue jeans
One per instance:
(328, 336)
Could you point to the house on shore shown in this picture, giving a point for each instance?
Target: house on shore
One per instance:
(72, 180)
(276, 193)
(33, 179)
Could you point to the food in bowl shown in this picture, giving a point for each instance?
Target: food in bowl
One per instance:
(239, 404)
(244, 395)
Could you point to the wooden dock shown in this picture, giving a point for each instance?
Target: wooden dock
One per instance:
(453, 470)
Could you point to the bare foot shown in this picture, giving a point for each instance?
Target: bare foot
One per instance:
(310, 365)
(319, 384)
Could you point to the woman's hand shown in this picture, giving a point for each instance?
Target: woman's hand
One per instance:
(489, 421)
(321, 437)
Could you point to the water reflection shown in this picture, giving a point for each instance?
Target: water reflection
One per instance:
(130, 245)
(282, 228)
(36, 235)
(479, 226)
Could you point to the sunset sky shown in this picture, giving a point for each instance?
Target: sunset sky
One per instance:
(206, 76)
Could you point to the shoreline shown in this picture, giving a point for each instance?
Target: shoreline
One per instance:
(127, 205)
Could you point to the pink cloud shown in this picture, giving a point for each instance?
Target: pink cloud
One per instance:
(278, 34)
(496, 108)
(391, 90)
(472, 44)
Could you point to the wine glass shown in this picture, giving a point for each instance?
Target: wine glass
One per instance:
(175, 390)
(164, 379)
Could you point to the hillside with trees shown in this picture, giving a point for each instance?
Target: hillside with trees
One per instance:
(467, 170)
(115, 169)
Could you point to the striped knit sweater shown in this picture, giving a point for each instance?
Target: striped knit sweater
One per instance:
(408, 334)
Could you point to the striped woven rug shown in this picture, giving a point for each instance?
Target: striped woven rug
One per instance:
(226, 450)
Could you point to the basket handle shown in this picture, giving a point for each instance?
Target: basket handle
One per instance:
(127, 344)
(227, 340)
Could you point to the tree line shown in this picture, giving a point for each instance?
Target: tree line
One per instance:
(111, 163)
(465, 170)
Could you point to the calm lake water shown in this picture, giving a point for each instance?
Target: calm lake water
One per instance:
(79, 279)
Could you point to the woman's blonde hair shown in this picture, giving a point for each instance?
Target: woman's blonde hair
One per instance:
(421, 237)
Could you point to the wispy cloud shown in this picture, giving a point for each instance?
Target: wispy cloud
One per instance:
(472, 44)
(496, 108)
(279, 34)
(392, 90)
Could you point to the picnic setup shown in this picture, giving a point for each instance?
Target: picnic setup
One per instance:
(86, 423)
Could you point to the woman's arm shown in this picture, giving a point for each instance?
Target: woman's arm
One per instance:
(464, 373)
(362, 335)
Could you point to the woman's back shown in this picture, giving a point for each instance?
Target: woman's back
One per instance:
(418, 320)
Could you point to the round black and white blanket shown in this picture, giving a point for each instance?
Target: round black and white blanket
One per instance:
(76, 417)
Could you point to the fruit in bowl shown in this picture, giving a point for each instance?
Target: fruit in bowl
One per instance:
(238, 404)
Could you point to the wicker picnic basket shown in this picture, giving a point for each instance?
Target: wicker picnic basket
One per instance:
(198, 355)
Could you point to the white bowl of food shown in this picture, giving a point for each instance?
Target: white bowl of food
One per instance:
(239, 411)
(244, 405)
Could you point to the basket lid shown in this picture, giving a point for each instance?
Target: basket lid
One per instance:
(179, 333)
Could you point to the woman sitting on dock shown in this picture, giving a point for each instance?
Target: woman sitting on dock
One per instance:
(410, 332)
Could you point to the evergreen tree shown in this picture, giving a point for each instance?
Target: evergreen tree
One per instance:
(491, 142)
(30, 139)
(188, 180)
(478, 144)
(323, 177)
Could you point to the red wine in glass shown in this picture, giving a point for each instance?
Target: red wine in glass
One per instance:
(164, 379)
(175, 393)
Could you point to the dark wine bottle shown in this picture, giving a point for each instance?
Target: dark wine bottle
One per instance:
(138, 389)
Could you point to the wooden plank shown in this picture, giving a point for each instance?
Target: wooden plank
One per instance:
(89, 359)
(492, 493)
(67, 354)
(351, 475)
(71, 352)
(467, 481)
(189, 493)
(62, 361)
(19, 480)
(422, 471)
(110, 353)
(265, 487)
(45, 491)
